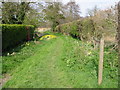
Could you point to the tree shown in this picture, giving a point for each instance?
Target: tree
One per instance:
(53, 13)
(71, 11)
(14, 12)
(92, 12)
(34, 15)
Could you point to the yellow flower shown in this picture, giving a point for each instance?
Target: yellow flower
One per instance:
(89, 53)
(47, 37)
(27, 44)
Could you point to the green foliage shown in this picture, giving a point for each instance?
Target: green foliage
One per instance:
(88, 28)
(14, 12)
(13, 34)
(61, 62)
(82, 29)
(53, 13)
(16, 56)
(80, 57)
(73, 29)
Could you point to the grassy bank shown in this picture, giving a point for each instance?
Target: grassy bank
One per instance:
(63, 62)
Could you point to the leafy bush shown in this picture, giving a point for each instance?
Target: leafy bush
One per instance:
(88, 29)
(81, 29)
(81, 56)
(13, 34)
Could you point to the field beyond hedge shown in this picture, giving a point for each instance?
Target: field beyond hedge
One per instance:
(63, 62)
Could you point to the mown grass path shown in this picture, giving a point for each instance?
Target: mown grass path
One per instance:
(59, 63)
(41, 69)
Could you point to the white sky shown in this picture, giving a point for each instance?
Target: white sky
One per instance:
(89, 4)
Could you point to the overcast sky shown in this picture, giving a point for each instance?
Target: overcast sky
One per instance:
(89, 4)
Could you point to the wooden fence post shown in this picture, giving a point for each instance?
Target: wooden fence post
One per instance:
(100, 68)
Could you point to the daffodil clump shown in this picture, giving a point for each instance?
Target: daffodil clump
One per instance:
(27, 43)
(47, 37)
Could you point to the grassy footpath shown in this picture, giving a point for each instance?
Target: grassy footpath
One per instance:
(63, 62)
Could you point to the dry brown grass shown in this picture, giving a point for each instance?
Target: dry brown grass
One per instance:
(110, 39)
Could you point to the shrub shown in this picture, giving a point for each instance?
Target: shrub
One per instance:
(79, 29)
(88, 29)
(13, 34)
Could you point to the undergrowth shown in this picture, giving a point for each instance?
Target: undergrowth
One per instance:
(78, 61)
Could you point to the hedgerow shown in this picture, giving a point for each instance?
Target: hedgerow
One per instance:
(13, 34)
(87, 29)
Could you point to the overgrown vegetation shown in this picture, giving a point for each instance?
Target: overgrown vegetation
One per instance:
(16, 56)
(60, 62)
(68, 57)
(14, 12)
(88, 29)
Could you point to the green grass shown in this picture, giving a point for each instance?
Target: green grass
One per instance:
(63, 62)
(15, 57)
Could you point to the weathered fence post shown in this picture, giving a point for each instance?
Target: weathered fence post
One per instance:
(100, 68)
